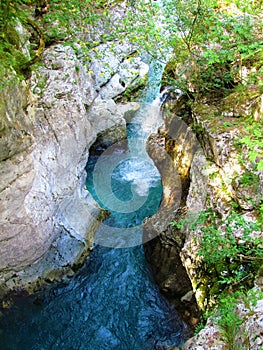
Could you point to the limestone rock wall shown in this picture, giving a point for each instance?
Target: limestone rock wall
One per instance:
(206, 164)
(216, 182)
(48, 123)
(172, 150)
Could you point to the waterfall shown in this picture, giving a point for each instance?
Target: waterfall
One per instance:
(124, 179)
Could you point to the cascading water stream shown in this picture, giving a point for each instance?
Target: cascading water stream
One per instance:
(112, 302)
(123, 179)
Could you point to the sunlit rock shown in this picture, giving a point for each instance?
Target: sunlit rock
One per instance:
(47, 126)
(129, 74)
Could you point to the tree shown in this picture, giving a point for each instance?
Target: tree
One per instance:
(210, 36)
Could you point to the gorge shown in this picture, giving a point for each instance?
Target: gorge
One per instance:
(70, 276)
(113, 301)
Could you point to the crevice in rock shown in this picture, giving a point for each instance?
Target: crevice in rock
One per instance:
(51, 128)
(172, 150)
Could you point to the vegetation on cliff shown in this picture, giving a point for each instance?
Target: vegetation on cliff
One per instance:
(215, 38)
(44, 23)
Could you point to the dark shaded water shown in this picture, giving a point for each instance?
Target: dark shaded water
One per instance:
(111, 304)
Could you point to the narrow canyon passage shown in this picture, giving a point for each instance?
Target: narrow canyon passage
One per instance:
(112, 302)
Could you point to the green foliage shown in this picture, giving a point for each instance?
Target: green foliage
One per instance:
(210, 38)
(8, 13)
(201, 33)
(206, 38)
(249, 178)
(66, 18)
(228, 319)
(249, 6)
(199, 327)
(63, 20)
(226, 314)
(132, 93)
(12, 58)
(192, 221)
(141, 25)
(231, 252)
(253, 141)
(260, 215)
(189, 221)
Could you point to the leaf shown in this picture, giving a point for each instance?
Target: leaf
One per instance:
(260, 165)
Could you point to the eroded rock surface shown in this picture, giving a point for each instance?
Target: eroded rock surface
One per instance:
(212, 178)
(217, 181)
(172, 150)
(47, 127)
(46, 191)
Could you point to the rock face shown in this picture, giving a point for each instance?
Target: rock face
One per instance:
(47, 127)
(217, 182)
(172, 151)
(206, 163)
